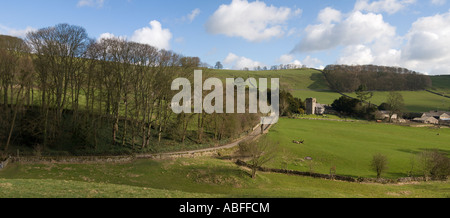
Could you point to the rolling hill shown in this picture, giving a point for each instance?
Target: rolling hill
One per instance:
(305, 83)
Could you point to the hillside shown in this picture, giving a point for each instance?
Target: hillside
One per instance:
(302, 83)
(305, 83)
(441, 84)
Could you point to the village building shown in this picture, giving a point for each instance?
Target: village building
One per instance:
(444, 122)
(437, 114)
(312, 107)
(427, 120)
(384, 115)
(435, 117)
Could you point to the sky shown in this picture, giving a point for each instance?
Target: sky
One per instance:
(414, 34)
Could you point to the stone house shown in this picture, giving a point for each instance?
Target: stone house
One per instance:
(384, 115)
(313, 107)
(437, 114)
(427, 120)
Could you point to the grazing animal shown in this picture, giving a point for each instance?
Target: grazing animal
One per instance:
(299, 142)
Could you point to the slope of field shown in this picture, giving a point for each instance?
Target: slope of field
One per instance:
(193, 178)
(415, 101)
(302, 83)
(350, 146)
(441, 84)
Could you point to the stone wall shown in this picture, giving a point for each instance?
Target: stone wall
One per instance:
(4, 163)
(73, 159)
(338, 177)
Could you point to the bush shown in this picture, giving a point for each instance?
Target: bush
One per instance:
(379, 164)
(434, 164)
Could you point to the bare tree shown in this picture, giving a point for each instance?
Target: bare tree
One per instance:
(396, 104)
(379, 164)
(260, 152)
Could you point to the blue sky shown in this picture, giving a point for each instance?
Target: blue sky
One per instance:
(240, 33)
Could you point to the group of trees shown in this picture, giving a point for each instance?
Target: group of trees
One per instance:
(219, 66)
(429, 164)
(58, 84)
(291, 105)
(361, 106)
(346, 78)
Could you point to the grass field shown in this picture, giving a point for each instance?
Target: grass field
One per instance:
(350, 146)
(306, 83)
(302, 83)
(188, 178)
(415, 101)
(441, 84)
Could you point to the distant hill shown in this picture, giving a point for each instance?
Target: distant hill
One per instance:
(441, 84)
(305, 83)
(347, 78)
(302, 83)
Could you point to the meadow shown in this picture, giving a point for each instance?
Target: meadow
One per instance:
(347, 145)
(350, 146)
(188, 178)
(307, 83)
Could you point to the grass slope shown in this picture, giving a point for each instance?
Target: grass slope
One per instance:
(441, 84)
(192, 178)
(350, 146)
(306, 83)
(303, 83)
(415, 101)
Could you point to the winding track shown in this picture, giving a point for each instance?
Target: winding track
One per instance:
(256, 133)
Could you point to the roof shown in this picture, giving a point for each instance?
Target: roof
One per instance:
(425, 118)
(435, 113)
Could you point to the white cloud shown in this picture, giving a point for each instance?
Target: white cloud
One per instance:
(312, 62)
(356, 28)
(438, 2)
(15, 32)
(193, 14)
(428, 44)
(239, 63)
(154, 35)
(388, 6)
(356, 54)
(285, 59)
(308, 61)
(91, 3)
(253, 21)
(329, 15)
(110, 36)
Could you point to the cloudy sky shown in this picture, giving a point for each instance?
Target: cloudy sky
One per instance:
(244, 33)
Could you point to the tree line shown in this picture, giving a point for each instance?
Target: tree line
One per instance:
(60, 85)
(346, 78)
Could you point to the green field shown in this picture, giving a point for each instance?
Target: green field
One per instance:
(302, 83)
(415, 101)
(306, 83)
(188, 178)
(347, 145)
(441, 84)
(350, 146)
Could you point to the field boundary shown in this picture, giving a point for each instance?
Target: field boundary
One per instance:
(4, 163)
(436, 93)
(403, 180)
(256, 133)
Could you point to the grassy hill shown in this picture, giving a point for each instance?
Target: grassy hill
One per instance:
(302, 83)
(305, 83)
(188, 178)
(415, 101)
(350, 146)
(441, 84)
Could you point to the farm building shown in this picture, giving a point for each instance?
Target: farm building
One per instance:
(437, 114)
(444, 122)
(384, 115)
(427, 120)
(312, 107)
